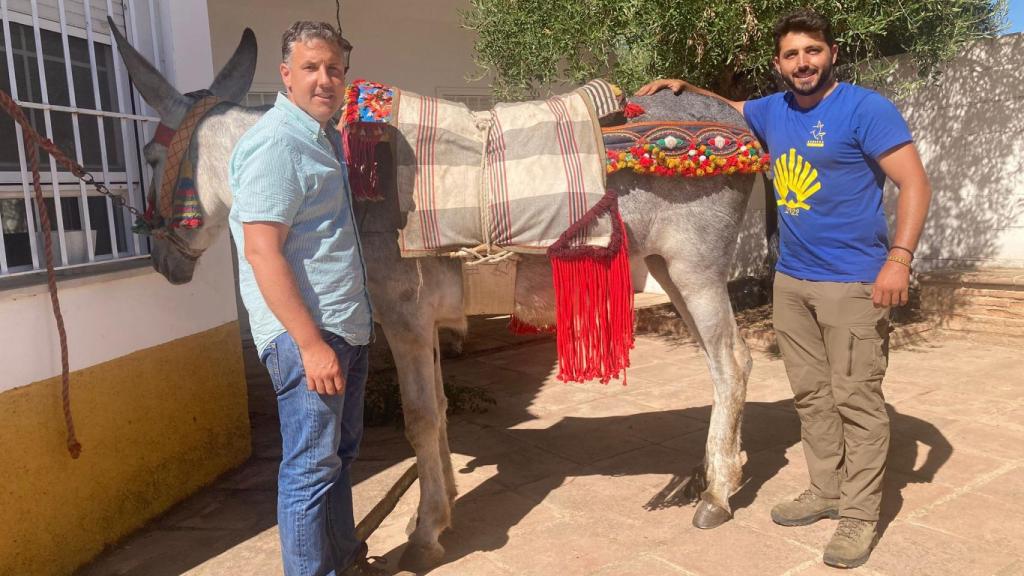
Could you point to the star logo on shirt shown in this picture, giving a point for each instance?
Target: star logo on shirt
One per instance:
(818, 131)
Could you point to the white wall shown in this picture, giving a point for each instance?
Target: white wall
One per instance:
(417, 45)
(111, 315)
(969, 132)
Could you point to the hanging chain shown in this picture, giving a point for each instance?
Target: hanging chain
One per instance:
(11, 107)
(118, 199)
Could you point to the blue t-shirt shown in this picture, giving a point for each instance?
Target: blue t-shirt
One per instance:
(827, 181)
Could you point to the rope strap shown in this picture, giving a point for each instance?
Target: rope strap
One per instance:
(31, 139)
(483, 254)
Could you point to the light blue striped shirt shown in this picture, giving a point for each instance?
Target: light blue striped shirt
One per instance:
(287, 169)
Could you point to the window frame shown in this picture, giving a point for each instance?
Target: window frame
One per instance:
(122, 104)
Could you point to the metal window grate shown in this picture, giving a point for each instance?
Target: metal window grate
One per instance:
(477, 99)
(58, 62)
(257, 99)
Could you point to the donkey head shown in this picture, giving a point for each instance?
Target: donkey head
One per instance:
(171, 259)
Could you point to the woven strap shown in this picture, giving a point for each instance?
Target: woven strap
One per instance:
(178, 148)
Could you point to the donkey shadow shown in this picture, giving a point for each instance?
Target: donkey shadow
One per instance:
(575, 447)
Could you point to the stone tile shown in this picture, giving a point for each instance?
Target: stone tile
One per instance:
(907, 388)
(979, 519)
(932, 458)
(535, 359)
(1007, 488)
(159, 552)
(1001, 442)
(1012, 418)
(641, 566)
(583, 440)
(255, 474)
(366, 493)
(514, 457)
(961, 406)
(913, 550)
(587, 479)
(765, 426)
(690, 392)
(476, 564)
(650, 466)
(749, 551)
(260, 555)
(819, 568)
(669, 372)
(228, 510)
(903, 494)
(650, 351)
(690, 445)
(563, 397)
(1015, 569)
(753, 503)
(491, 522)
(769, 390)
(567, 548)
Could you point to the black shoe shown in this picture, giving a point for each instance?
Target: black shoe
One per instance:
(365, 565)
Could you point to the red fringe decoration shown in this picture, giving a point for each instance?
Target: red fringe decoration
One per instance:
(594, 306)
(360, 143)
(520, 328)
(633, 110)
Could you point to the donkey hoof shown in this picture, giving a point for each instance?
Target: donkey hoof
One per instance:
(419, 558)
(710, 516)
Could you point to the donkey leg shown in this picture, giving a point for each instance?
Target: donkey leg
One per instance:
(442, 402)
(704, 304)
(413, 349)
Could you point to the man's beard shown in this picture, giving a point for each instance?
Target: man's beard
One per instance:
(824, 77)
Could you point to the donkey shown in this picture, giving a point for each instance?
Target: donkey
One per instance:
(685, 232)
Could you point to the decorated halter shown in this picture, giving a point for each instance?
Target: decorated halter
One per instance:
(177, 203)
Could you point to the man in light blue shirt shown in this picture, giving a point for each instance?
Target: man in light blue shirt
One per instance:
(303, 281)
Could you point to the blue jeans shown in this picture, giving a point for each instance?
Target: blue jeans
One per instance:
(320, 437)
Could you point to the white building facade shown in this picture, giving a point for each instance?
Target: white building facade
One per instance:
(157, 383)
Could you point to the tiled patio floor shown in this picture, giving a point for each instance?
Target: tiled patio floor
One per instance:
(561, 479)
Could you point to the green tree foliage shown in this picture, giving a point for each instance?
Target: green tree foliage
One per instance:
(727, 46)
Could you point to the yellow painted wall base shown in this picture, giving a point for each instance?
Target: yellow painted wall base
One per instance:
(155, 426)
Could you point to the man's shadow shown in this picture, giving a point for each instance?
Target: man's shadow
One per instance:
(769, 430)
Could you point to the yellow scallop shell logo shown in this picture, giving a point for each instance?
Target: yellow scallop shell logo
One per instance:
(795, 181)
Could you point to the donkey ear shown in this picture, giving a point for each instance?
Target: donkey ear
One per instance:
(155, 89)
(234, 79)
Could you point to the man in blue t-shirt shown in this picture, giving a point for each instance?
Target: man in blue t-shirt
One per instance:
(834, 145)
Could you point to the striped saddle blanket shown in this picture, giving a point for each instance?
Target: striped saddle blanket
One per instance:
(515, 177)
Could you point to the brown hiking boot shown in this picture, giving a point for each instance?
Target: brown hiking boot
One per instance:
(806, 509)
(851, 543)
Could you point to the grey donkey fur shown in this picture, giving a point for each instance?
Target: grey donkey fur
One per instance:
(685, 231)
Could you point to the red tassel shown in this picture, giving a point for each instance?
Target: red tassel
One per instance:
(633, 110)
(361, 156)
(594, 307)
(520, 328)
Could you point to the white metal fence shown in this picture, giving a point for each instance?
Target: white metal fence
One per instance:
(58, 63)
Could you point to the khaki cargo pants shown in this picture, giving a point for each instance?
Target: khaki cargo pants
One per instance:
(835, 345)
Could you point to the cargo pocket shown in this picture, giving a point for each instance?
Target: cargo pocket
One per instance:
(867, 356)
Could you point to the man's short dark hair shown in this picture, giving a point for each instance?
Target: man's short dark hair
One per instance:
(306, 30)
(803, 20)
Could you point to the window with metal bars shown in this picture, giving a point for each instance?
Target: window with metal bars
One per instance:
(68, 87)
